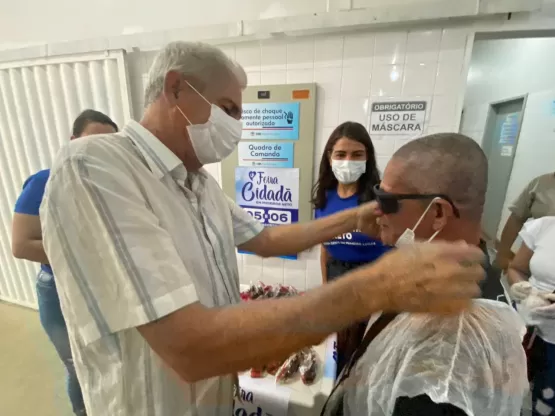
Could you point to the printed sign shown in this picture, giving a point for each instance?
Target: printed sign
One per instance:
(509, 129)
(261, 397)
(271, 121)
(398, 118)
(270, 195)
(330, 363)
(266, 154)
(506, 151)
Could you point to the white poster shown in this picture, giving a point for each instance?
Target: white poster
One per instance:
(269, 195)
(398, 118)
(330, 361)
(261, 397)
(264, 154)
(506, 151)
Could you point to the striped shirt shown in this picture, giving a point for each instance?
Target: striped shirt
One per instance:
(132, 237)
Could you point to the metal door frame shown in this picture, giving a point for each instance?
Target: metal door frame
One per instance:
(490, 116)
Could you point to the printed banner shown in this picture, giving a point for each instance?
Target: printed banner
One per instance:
(270, 195)
(330, 361)
(398, 118)
(261, 397)
(271, 121)
(509, 130)
(266, 154)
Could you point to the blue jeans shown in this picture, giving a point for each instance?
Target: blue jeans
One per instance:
(54, 324)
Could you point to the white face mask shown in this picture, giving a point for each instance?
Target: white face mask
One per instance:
(408, 236)
(348, 171)
(216, 139)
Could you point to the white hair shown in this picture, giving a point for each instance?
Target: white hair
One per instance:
(204, 63)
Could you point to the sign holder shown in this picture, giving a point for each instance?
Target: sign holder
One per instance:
(272, 98)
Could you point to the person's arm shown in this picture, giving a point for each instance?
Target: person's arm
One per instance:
(508, 236)
(292, 239)
(323, 263)
(198, 342)
(520, 213)
(27, 238)
(26, 226)
(519, 267)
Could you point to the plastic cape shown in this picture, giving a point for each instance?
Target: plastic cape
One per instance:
(474, 361)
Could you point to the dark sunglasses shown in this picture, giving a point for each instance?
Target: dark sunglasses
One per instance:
(389, 202)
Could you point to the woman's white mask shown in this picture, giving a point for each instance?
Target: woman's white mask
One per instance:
(216, 139)
(348, 171)
(408, 236)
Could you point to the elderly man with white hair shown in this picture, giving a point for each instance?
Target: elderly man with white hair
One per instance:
(142, 241)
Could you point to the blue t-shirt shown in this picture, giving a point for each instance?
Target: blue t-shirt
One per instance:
(353, 247)
(31, 197)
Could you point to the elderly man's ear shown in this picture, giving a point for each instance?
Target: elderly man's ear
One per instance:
(443, 213)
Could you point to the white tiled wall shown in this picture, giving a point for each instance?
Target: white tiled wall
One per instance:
(351, 71)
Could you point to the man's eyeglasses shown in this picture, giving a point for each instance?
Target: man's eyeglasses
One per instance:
(389, 202)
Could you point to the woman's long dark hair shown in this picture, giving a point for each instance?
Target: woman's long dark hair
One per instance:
(326, 179)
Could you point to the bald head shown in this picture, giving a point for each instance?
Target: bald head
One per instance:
(447, 163)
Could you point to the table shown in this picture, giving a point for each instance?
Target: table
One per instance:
(261, 397)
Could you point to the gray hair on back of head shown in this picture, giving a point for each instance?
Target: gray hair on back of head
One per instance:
(447, 163)
(204, 63)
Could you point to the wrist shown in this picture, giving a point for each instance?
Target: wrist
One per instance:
(370, 291)
(352, 221)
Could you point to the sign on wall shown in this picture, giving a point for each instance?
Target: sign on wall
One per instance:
(266, 154)
(509, 129)
(269, 195)
(261, 397)
(398, 118)
(271, 121)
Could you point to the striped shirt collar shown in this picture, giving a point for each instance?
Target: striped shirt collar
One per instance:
(160, 159)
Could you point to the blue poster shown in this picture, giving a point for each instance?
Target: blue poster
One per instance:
(266, 154)
(509, 129)
(270, 195)
(271, 121)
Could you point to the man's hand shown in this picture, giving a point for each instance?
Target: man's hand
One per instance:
(367, 217)
(427, 277)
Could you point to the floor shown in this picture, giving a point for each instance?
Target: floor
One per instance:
(32, 378)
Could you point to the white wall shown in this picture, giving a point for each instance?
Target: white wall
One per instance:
(29, 21)
(351, 71)
(501, 69)
(32, 22)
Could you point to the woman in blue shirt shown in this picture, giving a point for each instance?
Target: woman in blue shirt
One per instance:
(27, 244)
(348, 172)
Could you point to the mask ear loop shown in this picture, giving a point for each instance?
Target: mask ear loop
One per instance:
(180, 110)
(195, 90)
(424, 213)
(184, 116)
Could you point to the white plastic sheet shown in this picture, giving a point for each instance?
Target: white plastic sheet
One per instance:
(474, 361)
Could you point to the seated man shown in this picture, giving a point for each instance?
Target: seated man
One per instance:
(472, 364)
